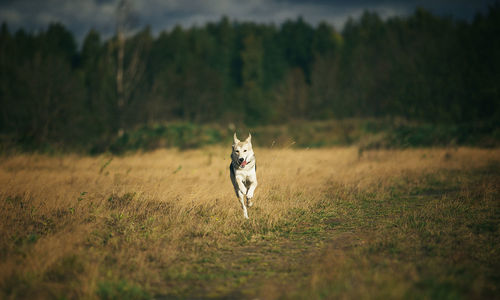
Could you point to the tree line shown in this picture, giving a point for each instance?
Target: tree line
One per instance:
(420, 67)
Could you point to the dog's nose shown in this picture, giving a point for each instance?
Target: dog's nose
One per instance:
(241, 159)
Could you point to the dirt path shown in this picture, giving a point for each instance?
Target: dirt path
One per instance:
(263, 268)
(423, 243)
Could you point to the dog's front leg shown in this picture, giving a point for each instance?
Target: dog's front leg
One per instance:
(242, 190)
(250, 192)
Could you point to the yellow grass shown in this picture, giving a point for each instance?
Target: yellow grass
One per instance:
(71, 224)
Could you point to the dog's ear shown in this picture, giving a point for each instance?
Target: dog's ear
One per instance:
(235, 139)
(249, 138)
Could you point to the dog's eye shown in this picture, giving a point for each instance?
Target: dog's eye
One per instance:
(245, 151)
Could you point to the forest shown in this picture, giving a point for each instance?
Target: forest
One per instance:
(421, 67)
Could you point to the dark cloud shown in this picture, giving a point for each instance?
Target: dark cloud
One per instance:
(83, 15)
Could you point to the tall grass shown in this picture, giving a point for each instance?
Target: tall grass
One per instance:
(167, 223)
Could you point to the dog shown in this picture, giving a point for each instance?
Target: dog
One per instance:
(243, 171)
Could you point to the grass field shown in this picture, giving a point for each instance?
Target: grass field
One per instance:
(327, 224)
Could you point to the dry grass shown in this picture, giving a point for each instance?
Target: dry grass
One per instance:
(326, 224)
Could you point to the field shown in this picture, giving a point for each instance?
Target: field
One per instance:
(327, 224)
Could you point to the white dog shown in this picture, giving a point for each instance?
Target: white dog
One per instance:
(242, 169)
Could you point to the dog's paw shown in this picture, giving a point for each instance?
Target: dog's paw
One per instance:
(249, 202)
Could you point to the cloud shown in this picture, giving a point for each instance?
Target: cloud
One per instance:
(83, 15)
(10, 16)
(166, 14)
(78, 16)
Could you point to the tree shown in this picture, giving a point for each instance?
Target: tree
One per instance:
(251, 95)
(325, 100)
(129, 70)
(46, 102)
(292, 97)
(296, 38)
(98, 74)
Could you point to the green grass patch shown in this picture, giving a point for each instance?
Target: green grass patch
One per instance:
(443, 246)
(120, 290)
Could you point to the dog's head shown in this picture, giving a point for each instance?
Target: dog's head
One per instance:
(242, 151)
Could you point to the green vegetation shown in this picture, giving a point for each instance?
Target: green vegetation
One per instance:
(366, 134)
(405, 206)
(421, 68)
(120, 290)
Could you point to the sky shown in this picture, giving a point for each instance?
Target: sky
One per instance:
(80, 16)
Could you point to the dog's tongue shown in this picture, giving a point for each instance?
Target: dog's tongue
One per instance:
(244, 163)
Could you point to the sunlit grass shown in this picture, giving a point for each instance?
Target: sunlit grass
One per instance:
(327, 223)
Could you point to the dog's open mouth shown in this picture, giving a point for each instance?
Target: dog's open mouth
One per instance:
(243, 163)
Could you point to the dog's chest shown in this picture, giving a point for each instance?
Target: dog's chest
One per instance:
(247, 178)
(245, 175)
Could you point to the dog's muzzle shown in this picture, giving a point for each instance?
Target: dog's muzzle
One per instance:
(242, 162)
